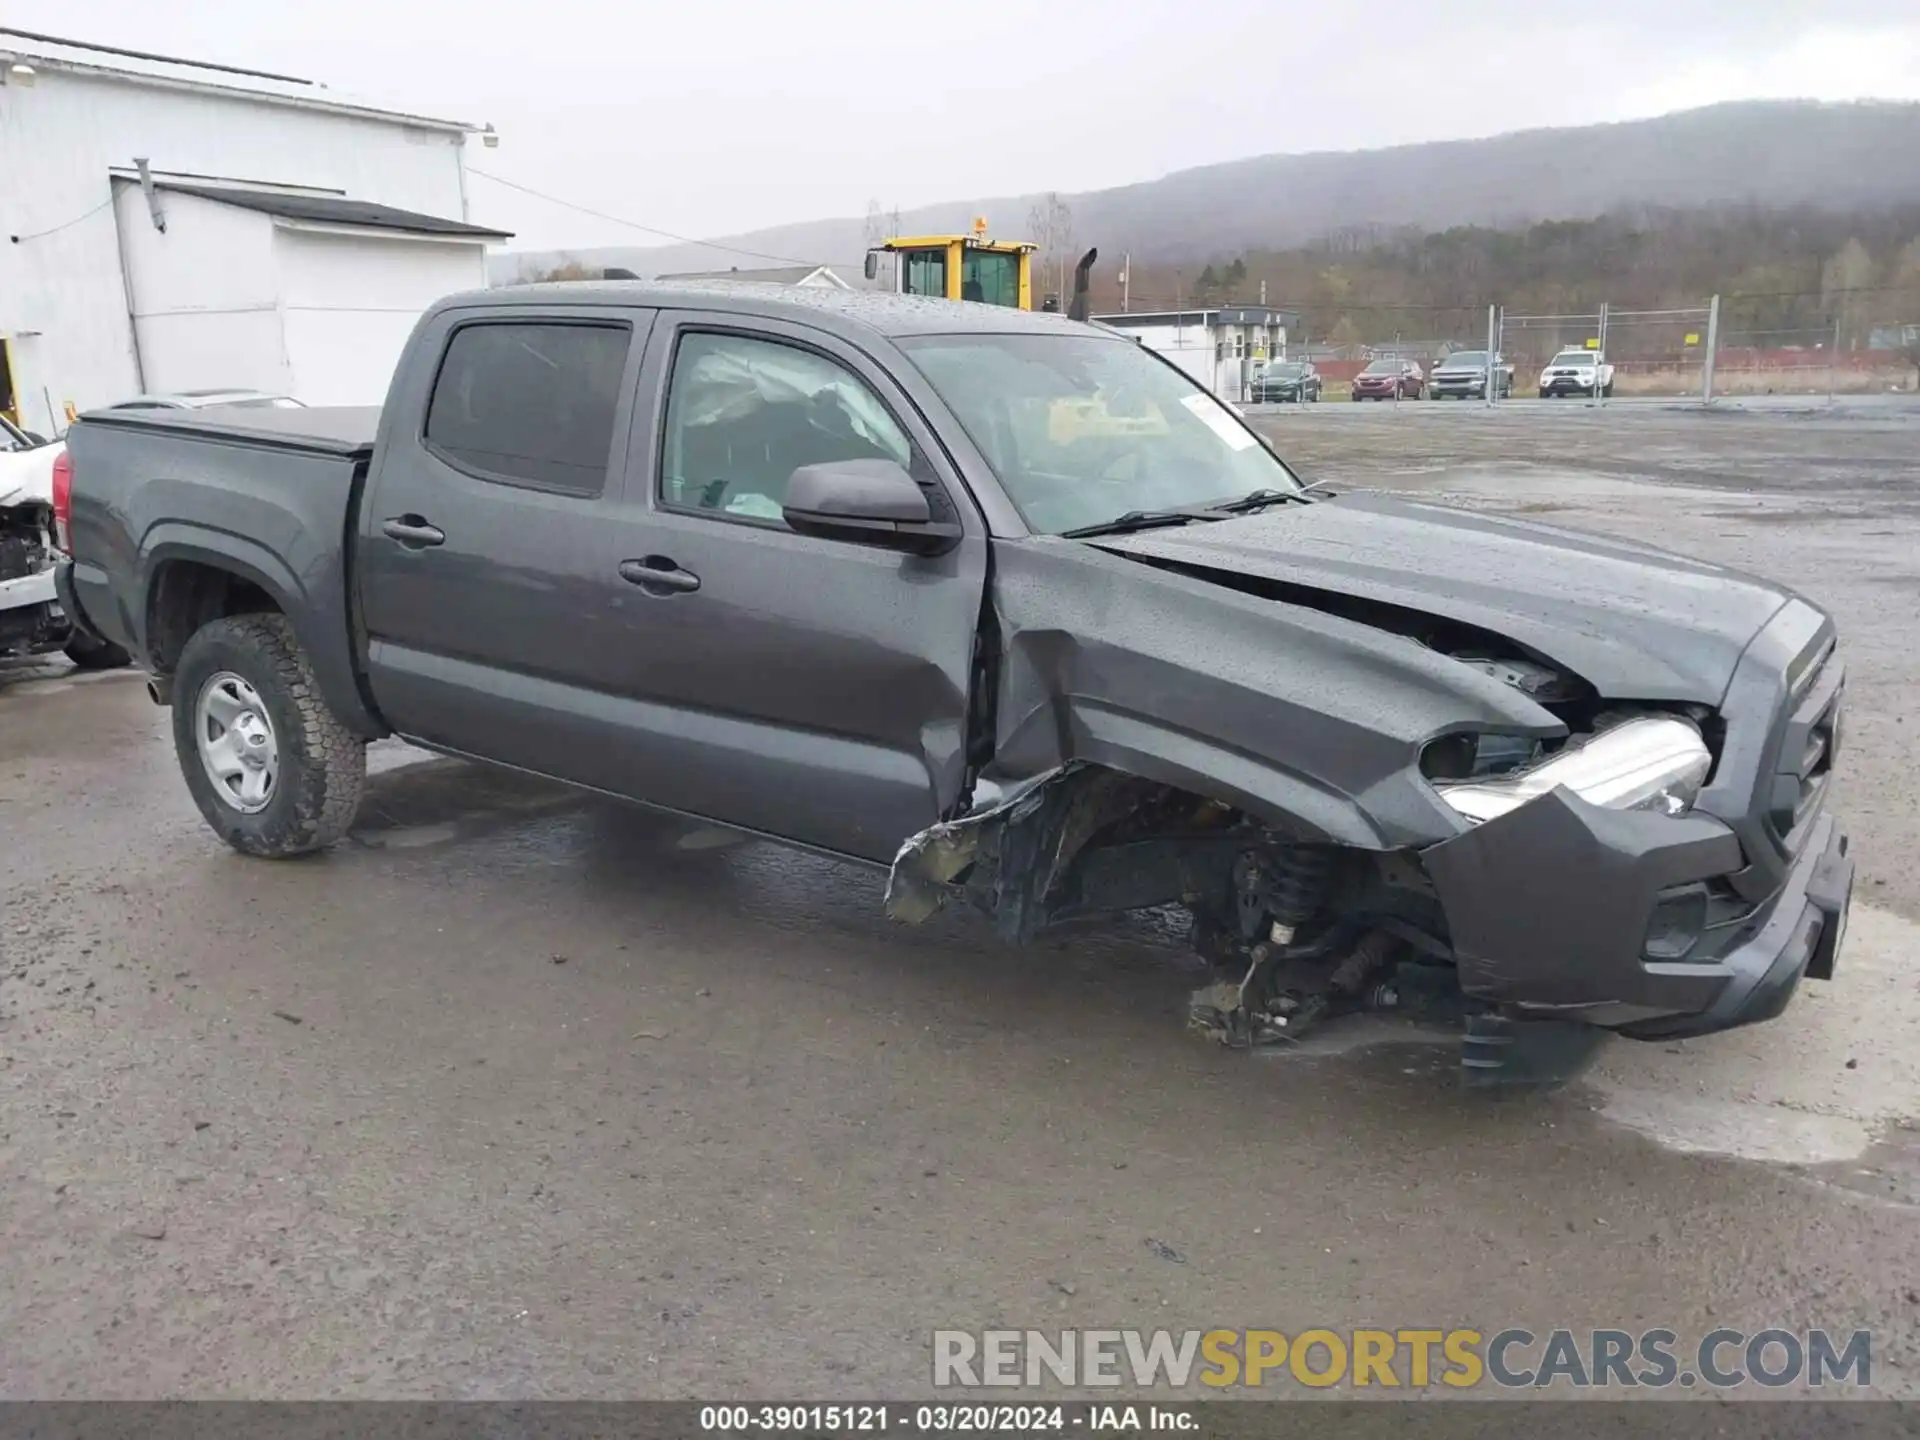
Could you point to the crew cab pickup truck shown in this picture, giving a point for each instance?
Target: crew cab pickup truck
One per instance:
(1007, 607)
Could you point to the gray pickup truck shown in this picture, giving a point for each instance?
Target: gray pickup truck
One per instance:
(1005, 606)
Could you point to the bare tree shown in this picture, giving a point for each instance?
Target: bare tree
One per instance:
(1050, 226)
(1850, 270)
(568, 269)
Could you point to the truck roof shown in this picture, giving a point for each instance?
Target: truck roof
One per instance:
(847, 311)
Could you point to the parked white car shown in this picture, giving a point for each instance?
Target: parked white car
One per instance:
(31, 619)
(1576, 372)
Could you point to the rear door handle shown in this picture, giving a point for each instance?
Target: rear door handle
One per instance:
(413, 532)
(660, 576)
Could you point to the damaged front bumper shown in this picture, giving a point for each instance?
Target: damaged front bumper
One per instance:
(1626, 920)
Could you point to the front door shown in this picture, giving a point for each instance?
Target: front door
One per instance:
(806, 688)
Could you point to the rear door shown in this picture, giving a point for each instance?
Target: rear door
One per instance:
(802, 687)
(484, 550)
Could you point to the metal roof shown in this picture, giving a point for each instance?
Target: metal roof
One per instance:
(847, 311)
(1226, 314)
(139, 67)
(334, 210)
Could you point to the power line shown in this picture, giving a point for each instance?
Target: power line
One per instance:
(636, 225)
(64, 224)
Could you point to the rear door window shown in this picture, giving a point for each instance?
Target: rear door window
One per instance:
(530, 403)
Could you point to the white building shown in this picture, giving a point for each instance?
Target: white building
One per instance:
(808, 277)
(172, 225)
(1220, 346)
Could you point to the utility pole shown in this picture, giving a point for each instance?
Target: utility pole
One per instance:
(1833, 355)
(1713, 347)
(1126, 281)
(1599, 359)
(1493, 366)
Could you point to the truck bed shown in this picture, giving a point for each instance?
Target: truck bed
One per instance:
(263, 495)
(342, 430)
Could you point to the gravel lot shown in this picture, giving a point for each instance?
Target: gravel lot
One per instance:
(514, 1096)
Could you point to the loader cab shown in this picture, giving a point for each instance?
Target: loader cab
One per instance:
(960, 267)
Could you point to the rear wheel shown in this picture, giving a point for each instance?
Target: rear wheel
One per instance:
(272, 769)
(89, 654)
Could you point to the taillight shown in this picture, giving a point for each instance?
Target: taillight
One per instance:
(63, 501)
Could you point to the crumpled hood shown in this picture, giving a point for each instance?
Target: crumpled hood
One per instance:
(1635, 622)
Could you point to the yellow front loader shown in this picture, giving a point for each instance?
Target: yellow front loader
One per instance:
(969, 267)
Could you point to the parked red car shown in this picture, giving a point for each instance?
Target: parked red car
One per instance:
(1388, 379)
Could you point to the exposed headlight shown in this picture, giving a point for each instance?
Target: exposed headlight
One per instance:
(1653, 763)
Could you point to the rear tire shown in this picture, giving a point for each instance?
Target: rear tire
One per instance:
(247, 678)
(89, 654)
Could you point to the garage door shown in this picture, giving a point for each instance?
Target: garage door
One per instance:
(349, 300)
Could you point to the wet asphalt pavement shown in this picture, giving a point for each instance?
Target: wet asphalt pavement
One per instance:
(514, 1095)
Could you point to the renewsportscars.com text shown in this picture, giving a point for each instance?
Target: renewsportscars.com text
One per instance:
(1411, 1359)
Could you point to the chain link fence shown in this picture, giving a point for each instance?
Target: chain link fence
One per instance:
(1720, 347)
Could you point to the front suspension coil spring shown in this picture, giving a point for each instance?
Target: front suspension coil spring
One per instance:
(1297, 879)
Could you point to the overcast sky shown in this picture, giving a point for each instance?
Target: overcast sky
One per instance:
(713, 117)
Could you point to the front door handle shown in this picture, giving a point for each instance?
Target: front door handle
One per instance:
(413, 532)
(659, 576)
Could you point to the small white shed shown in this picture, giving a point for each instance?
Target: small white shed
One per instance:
(1219, 346)
(807, 277)
(293, 291)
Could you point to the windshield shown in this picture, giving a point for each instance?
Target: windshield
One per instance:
(990, 277)
(1286, 372)
(1385, 367)
(1466, 360)
(1080, 429)
(1574, 357)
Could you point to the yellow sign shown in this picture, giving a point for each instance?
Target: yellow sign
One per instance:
(1693, 339)
(1593, 344)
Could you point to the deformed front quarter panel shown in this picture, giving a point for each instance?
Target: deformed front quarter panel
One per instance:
(1311, 723)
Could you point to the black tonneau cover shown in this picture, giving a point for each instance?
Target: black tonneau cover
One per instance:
(345, 430)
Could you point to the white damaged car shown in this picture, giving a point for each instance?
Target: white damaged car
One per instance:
(31, 619)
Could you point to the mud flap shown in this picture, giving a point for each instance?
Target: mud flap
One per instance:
(1497, 1052)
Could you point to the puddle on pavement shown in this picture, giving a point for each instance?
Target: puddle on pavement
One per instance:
(414, 799)
(1826, 1089)
(1830, 1089)
(1830, 1083)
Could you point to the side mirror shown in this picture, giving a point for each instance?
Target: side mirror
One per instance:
(873, 265)
(866, 502)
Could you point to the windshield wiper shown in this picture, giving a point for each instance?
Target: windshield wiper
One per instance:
(1137, 520)
(1260, 500)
